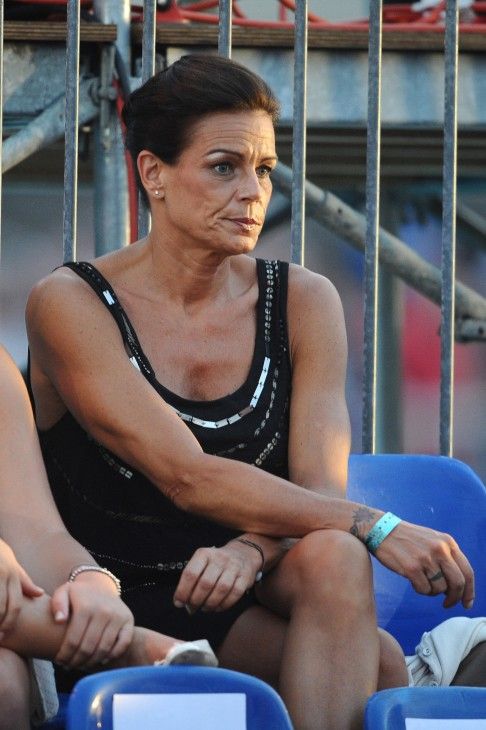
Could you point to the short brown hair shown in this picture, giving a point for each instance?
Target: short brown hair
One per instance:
(159, 114)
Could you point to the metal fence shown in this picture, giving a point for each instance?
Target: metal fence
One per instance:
(462, 309)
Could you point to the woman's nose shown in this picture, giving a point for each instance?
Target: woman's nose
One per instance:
(250, 188)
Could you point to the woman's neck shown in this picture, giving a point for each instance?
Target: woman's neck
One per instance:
(189, 275)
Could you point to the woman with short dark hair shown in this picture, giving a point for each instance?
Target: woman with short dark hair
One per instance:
(190, 402)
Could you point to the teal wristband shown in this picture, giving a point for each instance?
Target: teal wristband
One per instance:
(380, 530)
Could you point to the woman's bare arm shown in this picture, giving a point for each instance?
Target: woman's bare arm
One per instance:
(77, 347)
(99, 622)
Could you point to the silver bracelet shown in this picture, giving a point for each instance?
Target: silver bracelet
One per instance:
(97, 569)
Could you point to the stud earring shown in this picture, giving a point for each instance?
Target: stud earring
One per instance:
(157, 192)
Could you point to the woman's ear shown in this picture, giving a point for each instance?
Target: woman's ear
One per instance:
(151, 171)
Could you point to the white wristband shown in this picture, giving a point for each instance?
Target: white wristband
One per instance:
(97, 569)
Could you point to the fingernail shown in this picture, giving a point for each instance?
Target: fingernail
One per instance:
(178, 604)
(190, 610)
(470, 603)
(59, 616)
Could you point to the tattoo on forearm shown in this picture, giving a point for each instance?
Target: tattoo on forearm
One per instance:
(361, 522)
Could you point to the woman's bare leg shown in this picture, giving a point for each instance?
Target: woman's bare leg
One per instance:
(37, 634)
(14, 692)
(393, 670)
(472, 670)
(329, 650)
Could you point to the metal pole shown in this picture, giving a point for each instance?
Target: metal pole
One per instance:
(224, 30)
(111, 204)
(333, 213)
(148, 70)
(449, 229)
(372, 228)
(297, 252)
(117, 12)
(1, 119)
(71, 131)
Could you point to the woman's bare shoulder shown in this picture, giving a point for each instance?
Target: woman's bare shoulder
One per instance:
(309, 291)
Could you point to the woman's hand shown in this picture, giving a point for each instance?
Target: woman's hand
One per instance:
(99, 625)
(431, 560)
(215, 578)
(14, 583)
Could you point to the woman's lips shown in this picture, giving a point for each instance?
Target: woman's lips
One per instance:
(245, 224)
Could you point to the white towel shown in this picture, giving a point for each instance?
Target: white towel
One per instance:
(43, 695)
(441, 650)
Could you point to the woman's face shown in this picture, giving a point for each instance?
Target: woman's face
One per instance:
(216, 194)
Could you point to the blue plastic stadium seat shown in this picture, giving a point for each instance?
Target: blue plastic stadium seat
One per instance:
(389, 709)
(435, 491)
(90, 705)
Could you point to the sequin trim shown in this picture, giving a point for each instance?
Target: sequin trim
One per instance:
(237, 416)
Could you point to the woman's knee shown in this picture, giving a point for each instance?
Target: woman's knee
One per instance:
(331, 562)
(14, 691)
(392, 669)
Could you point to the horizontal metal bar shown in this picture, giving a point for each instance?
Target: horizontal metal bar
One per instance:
(47, 127)
(474, 220)
(468, 330)
(326, 208)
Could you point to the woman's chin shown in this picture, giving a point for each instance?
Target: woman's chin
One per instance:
(241, 244)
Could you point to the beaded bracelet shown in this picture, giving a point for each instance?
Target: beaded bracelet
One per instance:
(380, 530)
(97, 569)
(259, 575)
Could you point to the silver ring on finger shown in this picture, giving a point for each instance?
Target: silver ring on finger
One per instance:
(437, 576)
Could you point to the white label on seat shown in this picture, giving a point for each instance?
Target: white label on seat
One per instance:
(225, 711)
(418, 723)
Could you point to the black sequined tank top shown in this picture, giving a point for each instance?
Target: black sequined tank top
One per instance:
(114, 510)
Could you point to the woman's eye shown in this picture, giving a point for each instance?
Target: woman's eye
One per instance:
(223, 168)
(264, 171)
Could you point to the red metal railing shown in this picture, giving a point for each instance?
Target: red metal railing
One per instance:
(395, 17)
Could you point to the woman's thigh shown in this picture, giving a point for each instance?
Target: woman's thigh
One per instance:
(254, 644)
(14, 691)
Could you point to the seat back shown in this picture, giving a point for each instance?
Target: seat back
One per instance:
(436, 491)
(405, 707)
(175, 698)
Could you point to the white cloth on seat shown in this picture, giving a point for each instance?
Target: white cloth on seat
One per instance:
(441, 650)
(44, 702)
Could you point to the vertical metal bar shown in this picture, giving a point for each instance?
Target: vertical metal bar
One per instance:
(148, 70)
(224, 31)
(297, 252)
(1, 118)
(117, 12)
(111, 202)
(449, 184)
(372, 227)
(71, 131)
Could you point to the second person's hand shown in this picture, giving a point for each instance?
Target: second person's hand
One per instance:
(216, 578)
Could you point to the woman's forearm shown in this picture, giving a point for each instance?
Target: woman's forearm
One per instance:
(35, 632)
(247, 498)
(47, 556)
